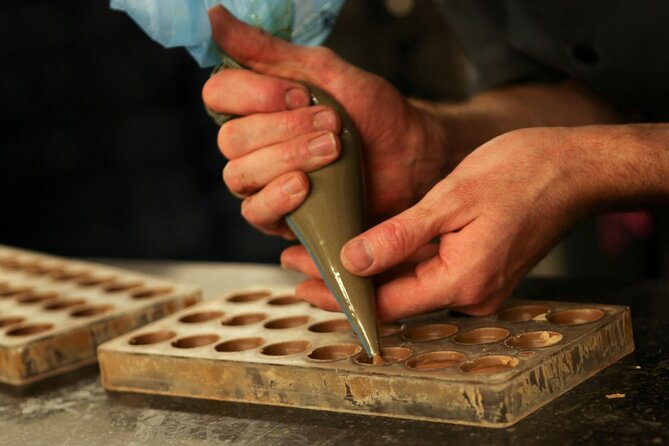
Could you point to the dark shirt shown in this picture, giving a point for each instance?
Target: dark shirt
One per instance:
(619, 48)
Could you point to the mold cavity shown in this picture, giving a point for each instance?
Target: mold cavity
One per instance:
(484, 335)
(287, 322)
(389, 329)
(576, 316)
(38, 269)
(285, 348)
(389, 354)
(11, 292)
(118, 287)
(11, 320)
(147, 292)
(92, 310)
(29, 329)
(245, 319)
(523, 313)
(202, 316)
(331, 326)
(490, 364)
(430, 332)
(63, 275)
(61, 304)
(248, 297)
(334, 352)
(435, 360)
(33, 298)
(240, 345)
(152, 338)
(195, 341)
(534, 339)
(90, 281)
(285, 300)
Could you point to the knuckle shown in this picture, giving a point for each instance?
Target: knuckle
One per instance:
(395, 235)
(226, 136)
(234, 179)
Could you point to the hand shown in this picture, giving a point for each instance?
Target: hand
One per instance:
(278, 138)
(495, 216)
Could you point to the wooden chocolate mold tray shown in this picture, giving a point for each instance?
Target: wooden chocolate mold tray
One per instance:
(54, 312)
(262, 345)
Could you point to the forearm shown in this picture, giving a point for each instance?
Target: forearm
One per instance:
(617, 166)
(460, 128)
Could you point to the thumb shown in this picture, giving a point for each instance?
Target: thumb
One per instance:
(391, 242)
(253, 47)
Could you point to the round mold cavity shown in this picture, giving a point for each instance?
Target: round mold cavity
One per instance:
(390, 355)
(149, 292)
(285, 348)
(284, 300)
(38, 269)
(248, 297)
(245, 319)
(64, 274)
(153, 337)
(201, 316)
(385, 330)
(429, 332)
(62, 304)
(534, 339)
(29, 329)
(334, 352)
(523, 313)
(35, 298)
(239, 345)
(88, 281)
(490, 364)
(576, 316)
(91, 310)
(287, 322)
(331, 326)
(11, 292)
(435, 360)
(10, 320)
(195, 341)
(119, 286)
(483, 335)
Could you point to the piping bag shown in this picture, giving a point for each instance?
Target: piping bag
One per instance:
(333, 213)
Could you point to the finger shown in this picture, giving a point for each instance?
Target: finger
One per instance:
(484, 308)
(390, 242)
(316, 292)
(241, 136)
(296, 258)
(243, 92)
(267, 54)
(305, 153)
(266, 209)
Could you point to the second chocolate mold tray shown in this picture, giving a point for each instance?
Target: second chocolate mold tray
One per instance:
(55, 311)
(262, 345)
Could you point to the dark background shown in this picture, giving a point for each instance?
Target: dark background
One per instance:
(106, 150)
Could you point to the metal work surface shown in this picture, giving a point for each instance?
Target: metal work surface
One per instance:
(262, 345)
(75, 409)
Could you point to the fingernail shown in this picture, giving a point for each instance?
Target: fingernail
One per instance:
(358, 254)
(325, 120)
(323, 145)
(292, 186)
(296, 98)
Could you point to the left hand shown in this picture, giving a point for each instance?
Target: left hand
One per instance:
(495, 215)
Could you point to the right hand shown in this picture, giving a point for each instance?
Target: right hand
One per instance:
(277, 138)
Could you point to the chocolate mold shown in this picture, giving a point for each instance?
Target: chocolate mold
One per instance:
(55, 311)
(483, 371)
